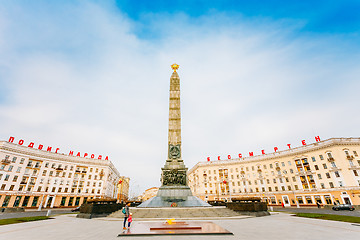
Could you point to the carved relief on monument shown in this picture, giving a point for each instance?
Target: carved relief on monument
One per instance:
(174, 177)
(174, 151)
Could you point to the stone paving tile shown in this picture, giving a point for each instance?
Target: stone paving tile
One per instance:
(278, 226)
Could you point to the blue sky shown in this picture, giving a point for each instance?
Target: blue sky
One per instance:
(93, 76)
(318, 16)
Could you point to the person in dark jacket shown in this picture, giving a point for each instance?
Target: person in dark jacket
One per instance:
(126, 215)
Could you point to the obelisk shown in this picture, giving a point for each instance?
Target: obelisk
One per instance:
(174, 190)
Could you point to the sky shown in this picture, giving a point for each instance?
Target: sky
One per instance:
(93, 76)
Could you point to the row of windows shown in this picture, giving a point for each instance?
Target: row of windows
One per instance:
(40, 188)
(270, 189)
(277, 164)
(53, 165)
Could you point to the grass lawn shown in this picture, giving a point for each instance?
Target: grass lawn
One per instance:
(20, 220)
(333, 217)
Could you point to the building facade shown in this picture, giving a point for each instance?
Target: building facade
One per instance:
(149, 193)
(123, 189)
(33, 178)
(327, 172)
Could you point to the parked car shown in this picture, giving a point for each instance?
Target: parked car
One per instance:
(343, 207)
(76, 209)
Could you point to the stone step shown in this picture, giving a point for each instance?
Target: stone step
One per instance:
(167, 213)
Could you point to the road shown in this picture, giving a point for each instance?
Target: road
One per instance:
(33, 213)
(355, 213)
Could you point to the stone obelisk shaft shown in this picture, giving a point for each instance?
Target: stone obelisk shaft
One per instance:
(174, 140)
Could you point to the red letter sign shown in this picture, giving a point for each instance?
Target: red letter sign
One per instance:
(275, 149)
(106, 158)
(11, 139)
(240, 155)
(218, 157)
(85, 154)
(263, 151)
(21, 142)
(71, 153)
(92, 156)
(303, 142)
(40, 147)
(99, 157)
(289, 145)
(208, 159)
(251, 154)
(31, 145)
(317, 138)
(229, 157)
(57, 149)
(78, 155)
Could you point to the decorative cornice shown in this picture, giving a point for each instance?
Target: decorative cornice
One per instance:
(280, 154)
(37, 154)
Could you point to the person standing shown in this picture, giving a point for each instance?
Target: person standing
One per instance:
(129, 220)
(126, 214)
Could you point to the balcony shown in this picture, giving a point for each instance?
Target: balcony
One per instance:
(333, 169)
(349, 157)
(330, 159)
(22, 182)
(353, 167)
(77, 171)
(59, 169)
(83, 172)
(6, 161)
(31, 183)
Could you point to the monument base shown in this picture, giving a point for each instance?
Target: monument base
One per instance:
(174, 196)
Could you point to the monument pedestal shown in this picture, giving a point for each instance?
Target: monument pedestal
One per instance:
(174, 196)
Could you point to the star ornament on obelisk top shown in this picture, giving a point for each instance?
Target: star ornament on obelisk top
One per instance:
(175, 67)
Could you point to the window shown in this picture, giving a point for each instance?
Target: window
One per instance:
(337, 174)
(355, 154)
(44, 173)
(313, 159)
(271, 166)
(322, 185)
(18, 169)
(15, 178)
(321, 157)
(14, 159)
(355, 173)
(300, 200)
(340, 184)
(294, 179)
(308, 199)
(276, 189)
(22, 161)
(324, 165)
(296, 187)
(274, 180)
(291, 171)
(39, 189)
(10, 168)
(7, 177)
(333, 164)
(327, 175)
(289, 163)
(316, 167)
(331, 184)
(319, 176)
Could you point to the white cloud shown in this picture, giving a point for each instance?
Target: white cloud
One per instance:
(79, 78)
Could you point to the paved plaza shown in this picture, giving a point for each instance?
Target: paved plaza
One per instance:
(277, 226)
